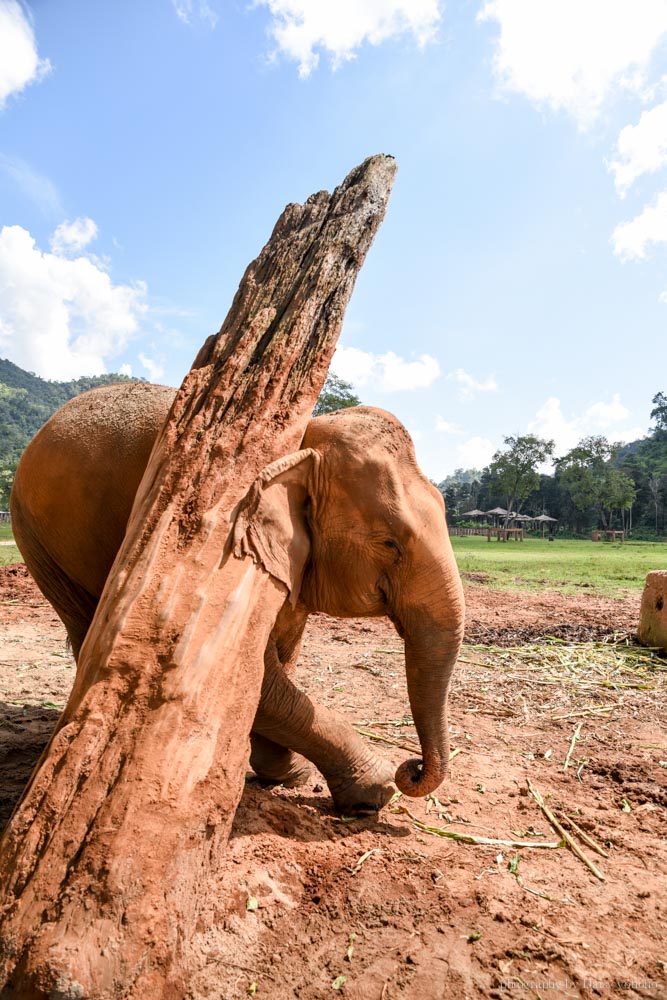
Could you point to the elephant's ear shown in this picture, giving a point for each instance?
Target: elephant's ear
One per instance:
(269, 522)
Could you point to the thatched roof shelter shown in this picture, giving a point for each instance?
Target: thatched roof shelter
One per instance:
(544, 519)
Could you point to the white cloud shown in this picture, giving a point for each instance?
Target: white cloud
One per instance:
(125, 370)
(72, 237)
(340, 27)
(189, 11)
(630, 239)
(641, 148)
(606, 414)
(445, 427)
(475, 453)
(608, 418)
(571, 55)
(470, 386)
(387, 372)
(61, 318)
(154, 368)
(19, 62)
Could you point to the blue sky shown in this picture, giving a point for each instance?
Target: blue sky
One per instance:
(519, 281)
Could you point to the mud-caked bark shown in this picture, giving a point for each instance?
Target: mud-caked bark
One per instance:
(652, 629)
(117, 840)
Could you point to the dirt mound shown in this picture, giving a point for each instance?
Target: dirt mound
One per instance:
(16, 584)
(24, 732)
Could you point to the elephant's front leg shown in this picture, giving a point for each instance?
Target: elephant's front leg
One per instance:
(276, 765)
(359, 782)
(272, 763)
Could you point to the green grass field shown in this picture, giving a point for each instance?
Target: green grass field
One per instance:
(566, 565)
(535, 564)
(8, 553)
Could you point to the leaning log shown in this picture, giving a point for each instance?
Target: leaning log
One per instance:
(117, 840)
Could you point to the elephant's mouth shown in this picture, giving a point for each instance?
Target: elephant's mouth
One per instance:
(363, 810)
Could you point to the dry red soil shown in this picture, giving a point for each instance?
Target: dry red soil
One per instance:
(375, 909)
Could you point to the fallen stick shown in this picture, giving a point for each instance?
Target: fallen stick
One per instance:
(574, 847)
(407, 745)
(584, 836)
(575, 737)
(583, 711)
(364, 857)
(470, 838)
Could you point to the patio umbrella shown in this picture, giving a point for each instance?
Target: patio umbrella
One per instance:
(498, 512)
(474, 513)
(543, 519)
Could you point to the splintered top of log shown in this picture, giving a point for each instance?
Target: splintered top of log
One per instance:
(253, 386)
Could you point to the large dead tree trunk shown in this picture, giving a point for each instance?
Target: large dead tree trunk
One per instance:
(116, 842)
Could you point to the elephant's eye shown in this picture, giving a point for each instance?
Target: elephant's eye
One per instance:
(391, 544)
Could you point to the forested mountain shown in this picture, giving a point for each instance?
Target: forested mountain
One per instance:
(26, 402)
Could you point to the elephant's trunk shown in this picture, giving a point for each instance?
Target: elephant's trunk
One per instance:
(431, 651)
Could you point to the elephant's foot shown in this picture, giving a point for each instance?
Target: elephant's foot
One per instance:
(274, 765)
(298, 773)
(364, 793)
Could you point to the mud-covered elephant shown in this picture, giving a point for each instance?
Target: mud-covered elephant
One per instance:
(378, 546)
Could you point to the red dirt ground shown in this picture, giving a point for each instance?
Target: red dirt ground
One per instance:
(397, 911)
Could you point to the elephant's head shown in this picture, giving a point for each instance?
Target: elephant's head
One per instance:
(353, 528)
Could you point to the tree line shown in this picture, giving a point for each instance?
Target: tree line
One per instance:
(596, 484)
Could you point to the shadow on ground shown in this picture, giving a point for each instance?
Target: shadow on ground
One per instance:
(24, 732)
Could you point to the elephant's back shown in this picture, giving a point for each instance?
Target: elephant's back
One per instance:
(126, 415)
(77, 478)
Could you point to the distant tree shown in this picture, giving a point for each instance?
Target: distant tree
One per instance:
(619, 494)
(7, 472)
(589, 475)
(648, 468)
(548, 498)
(659, 411)
(336, 395)
(656, 486)
(461, 476)
(513, 473)
(580, 471)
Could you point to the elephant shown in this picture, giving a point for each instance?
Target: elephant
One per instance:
(378, 546)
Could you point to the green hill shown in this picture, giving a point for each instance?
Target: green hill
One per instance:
(26, 402)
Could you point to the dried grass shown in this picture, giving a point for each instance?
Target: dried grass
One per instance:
(583, 667)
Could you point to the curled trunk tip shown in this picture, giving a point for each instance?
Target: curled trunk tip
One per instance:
(414, 779)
